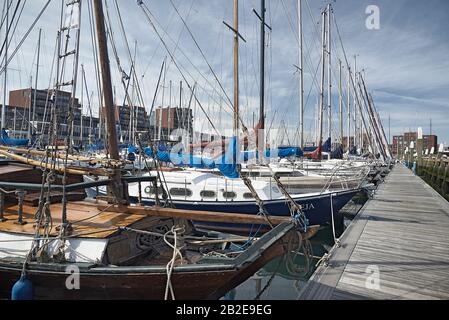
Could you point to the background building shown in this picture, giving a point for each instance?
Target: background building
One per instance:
(86, 129)
(400, 143)
(169, 119)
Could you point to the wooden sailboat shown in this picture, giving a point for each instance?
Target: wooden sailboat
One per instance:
(56, 244)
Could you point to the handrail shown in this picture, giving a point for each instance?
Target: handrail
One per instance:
(74, 186)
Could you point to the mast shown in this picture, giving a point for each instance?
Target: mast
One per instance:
(37, 76)
(117, 188)
(236, 68)
(301, 75)
(356, 136)
(349, 109)
(321, 107)
(262, 66)
(82, 108)
(340, 89)
(329, 72)
(6, 68)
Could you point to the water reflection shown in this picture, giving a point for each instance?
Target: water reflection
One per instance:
(284, 278)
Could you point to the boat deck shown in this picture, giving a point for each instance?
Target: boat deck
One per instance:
(396, 248)
(88, 220)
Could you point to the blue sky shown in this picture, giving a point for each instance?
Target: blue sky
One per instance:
(405, 62)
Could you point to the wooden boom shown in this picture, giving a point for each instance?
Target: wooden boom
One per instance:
(195, 215)
(56, 167)
(60, 155)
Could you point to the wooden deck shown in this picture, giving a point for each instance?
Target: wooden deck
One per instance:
(88, 220)
(401, 238)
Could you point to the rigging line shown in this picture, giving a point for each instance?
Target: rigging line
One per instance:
(3, 12)
(180, 34)
(182, 53)
(117, 59)
(201, 52)
(48, 92)
(130, 55)
(159, 44)
(96, 69)
(143, 7)
(8, 39)
(25, 36)
(346, 60)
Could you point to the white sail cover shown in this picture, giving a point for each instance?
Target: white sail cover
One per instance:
(72, 16)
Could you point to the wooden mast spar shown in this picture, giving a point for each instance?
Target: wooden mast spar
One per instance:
(108, 100)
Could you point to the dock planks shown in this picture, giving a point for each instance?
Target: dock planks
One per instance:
(401, 238)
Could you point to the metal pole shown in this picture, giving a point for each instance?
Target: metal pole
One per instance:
(329, 71)
(349, 109)
(236, 68)
(341, 105)
(323, 61)
(37, 76)
(6, 68)
(356, 136)
(262, 66)
(301, 74)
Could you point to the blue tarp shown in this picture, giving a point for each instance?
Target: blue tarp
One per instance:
(325, 148)
(227, 164)
(100, 146)
(10, 142)
(283, 152)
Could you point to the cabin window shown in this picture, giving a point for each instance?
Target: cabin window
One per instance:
(207, 194)
(151, 190)
(181, 192)
(248, 195)
(229, 195)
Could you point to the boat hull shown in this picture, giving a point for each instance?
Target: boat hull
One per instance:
(209, 280)
(316, 208)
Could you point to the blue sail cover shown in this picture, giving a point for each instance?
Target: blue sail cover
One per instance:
(99, 145)
(227, 164)
(10, 142)
(283, 152)
(325, 148)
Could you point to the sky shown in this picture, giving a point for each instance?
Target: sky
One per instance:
(405, 62)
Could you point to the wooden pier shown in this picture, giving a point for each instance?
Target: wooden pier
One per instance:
(396, 248)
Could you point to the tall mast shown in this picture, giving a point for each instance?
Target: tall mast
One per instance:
(82, 107)
(36, 80)
(340, 89)
(236, 68)
(262, 66)
(107, 94)
(329, 72)
(321, 108)
(6, 68)
(356, 136)
(349, 109)
(301, 75)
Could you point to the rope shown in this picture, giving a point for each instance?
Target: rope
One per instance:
(337, 241)
(171, 264)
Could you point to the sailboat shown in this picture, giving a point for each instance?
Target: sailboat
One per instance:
(56, 244)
